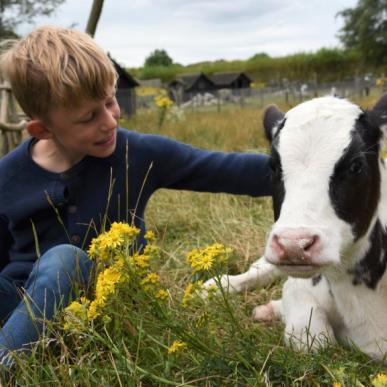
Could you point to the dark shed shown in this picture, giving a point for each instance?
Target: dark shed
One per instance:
(126, 93)
(184, 87)
(231, 80)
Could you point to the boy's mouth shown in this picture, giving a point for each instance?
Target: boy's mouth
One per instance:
(108, 141)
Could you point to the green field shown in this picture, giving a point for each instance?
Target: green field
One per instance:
(222, 346)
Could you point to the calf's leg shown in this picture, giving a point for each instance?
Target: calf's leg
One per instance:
(305, 309)
(260, 273)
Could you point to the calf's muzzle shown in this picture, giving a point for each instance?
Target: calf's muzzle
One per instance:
(295, 247)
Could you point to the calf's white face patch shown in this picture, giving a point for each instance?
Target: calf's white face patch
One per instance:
(324, 154)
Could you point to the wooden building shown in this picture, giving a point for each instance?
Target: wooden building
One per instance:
(126, 93)
(231, 80)
(185, 87)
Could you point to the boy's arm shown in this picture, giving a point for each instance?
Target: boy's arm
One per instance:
(181, 166)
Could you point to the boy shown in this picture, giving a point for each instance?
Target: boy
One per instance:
(79, 170)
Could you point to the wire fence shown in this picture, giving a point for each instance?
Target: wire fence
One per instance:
(291, 94)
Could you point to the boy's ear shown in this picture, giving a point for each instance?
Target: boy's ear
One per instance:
(36, 128)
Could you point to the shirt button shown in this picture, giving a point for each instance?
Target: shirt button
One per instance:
(72, 209)
(64, 176)
(75, 239)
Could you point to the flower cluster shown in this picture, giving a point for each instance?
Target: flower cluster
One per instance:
(106, 285)
(76, 315)
(116, 264)
(209, 257)
(177, 346)
(380, 380)
(163, 104)
(191, 291)
(105, 246)
(163, 101)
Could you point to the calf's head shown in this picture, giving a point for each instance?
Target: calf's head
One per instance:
(326, 171)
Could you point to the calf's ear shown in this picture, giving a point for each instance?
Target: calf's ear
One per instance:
(379, 114)
(272, 117)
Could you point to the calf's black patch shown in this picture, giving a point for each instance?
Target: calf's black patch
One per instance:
(354, 187)
(316, 280)
(372, 266)
(277, 182)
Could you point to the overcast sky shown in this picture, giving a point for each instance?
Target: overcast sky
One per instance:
(198, 30)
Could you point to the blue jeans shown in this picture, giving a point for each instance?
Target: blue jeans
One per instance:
(50, 286)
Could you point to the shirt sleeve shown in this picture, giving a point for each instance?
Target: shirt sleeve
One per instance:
(180, 166)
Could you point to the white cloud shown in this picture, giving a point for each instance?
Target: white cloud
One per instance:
(198, 30)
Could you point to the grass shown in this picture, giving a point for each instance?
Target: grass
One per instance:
(224, 347)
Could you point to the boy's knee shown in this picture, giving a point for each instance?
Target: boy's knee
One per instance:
(66, 260)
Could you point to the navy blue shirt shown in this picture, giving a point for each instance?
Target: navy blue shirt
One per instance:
(41, 209)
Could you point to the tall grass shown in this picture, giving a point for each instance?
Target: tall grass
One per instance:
(223, 346)
(324, 65)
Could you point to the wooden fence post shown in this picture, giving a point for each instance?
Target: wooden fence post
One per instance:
(11, 127)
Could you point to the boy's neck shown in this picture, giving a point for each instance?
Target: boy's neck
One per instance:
(47, 154)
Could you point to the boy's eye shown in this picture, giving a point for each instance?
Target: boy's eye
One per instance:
(111, 102)
(88, 118)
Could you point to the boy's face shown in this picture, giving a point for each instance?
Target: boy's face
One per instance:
(89, 129)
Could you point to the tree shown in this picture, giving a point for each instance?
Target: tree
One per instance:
(15, 12)
(95, 14)
(365, 30)
(259, 56)
(158, 58)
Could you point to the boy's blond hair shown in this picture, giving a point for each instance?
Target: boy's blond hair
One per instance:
(56, 67)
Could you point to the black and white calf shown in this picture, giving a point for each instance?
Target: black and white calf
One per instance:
(329, 235)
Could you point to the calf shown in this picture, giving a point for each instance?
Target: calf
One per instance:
(329, 235)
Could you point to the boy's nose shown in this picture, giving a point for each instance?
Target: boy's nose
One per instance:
(110, 120)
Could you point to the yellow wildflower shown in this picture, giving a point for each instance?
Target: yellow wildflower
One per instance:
(75, 314)
(163, 102)
(380, 380)
(99, 248)
(141, 260)
(177, 346)
(151, 279)
(114, 239)
(150, 236)
(204, 259)
(336, 384)
(162, 294)
(95, 309)
(104, 242)
(190, 292)
(93, 248)
(106, 285)
(151, 250)
(107, 243)
(106, 281)
(125, 230)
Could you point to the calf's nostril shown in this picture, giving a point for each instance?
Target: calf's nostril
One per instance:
(307, 243)
(277, 246)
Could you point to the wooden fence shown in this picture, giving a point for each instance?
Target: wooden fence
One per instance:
(11, 123)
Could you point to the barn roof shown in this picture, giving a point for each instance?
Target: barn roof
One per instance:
(123, 76)
(189, 80)
(227, 78)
